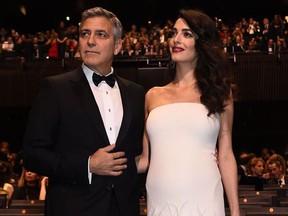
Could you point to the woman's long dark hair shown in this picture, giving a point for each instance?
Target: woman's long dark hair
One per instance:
(212, 69)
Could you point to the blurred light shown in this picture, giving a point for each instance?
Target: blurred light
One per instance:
(23, 10)
(67, 18)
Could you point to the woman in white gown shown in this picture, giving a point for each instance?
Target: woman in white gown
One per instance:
(186, 120)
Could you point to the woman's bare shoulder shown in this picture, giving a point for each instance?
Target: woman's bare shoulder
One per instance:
(156, 96)
(157, 91)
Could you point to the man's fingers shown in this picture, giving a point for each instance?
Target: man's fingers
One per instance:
(115, 173)
(118, 155)
(120, 161)
(106, 162)
(119, 167)
(115, 155)
(109, 148)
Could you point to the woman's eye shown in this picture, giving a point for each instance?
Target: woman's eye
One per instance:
(188, 35)
(173, 33)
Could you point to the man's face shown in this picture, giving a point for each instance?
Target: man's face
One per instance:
(275, 171)
(4, 147)
(97, 45)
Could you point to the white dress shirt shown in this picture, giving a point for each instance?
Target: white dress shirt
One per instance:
(110, 106)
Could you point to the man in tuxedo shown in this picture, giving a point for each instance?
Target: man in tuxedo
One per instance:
(276, 167)
(86, 127)
(243, 163)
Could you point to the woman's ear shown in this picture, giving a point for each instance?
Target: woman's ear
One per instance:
(118, 46)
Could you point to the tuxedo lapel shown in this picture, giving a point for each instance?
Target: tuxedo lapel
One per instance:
(127, 110)
(85, 96)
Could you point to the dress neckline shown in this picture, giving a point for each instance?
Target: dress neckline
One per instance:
(176, 103)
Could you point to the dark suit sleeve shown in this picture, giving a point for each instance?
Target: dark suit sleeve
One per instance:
(42, 152)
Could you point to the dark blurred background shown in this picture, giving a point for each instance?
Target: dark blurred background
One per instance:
(36, 15)
(257, 122)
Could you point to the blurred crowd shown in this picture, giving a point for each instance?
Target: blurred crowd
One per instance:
(16, 182)
(268, 168)
(248, 35)
(268, 35)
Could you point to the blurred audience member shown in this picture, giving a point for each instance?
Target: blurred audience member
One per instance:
(256, 167)
(276, 167)
(6, 179)
(8, 47)
(266, 153)
(53, 44)
(44, 185)
(243, 163)
(63, 37)
(5, 147)
(256, 170)
(29, 185)
(18, 165)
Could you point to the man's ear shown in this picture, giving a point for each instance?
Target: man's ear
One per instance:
(118, 46)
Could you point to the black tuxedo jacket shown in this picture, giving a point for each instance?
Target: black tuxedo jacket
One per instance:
(275, 181)
(64, 128)
(241, 175)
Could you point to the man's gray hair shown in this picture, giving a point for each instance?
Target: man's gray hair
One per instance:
(101, 12)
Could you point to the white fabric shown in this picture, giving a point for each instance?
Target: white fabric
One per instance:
(183, 178)
(110, 105)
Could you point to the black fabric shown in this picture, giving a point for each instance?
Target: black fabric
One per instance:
(110, 80)
(80, 132)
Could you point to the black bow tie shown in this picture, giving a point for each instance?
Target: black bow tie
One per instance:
(110, 80)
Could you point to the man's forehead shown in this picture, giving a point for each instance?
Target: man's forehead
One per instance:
(272, 166)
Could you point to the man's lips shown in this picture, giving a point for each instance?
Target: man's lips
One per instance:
(91, 52)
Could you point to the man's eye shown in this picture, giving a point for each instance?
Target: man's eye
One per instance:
(83, 34)
(101, 34)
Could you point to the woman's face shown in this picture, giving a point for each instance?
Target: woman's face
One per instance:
(258, 168)
(182, 43)
(30, 176)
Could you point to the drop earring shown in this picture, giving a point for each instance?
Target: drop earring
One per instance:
(172, 64)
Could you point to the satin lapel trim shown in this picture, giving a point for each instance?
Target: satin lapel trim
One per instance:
(127, 112)
(84, 94)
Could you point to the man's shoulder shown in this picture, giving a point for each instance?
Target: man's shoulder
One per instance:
(66, 75)
(129, 83)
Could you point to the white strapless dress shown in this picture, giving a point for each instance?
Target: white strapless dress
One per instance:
(183, 178)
